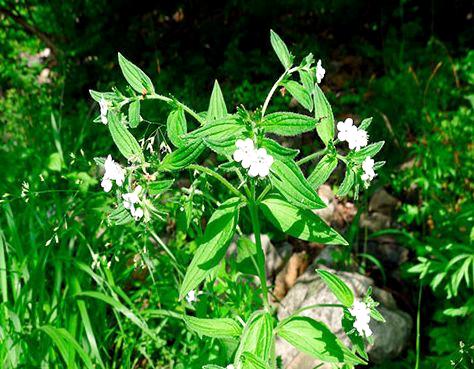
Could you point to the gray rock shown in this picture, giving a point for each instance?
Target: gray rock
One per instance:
(382, 202)
(390, 337)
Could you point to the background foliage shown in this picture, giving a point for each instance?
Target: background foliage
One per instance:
(409, 64)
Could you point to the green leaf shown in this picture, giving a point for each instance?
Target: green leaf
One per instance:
(281, 50)
(355, 338)
(365, 123)
(246, 254)
(257, 337)
(217, 108)
(109, 96)
(370, 150)
(299, 223)
(278, 151)
(134, 114)
(315, 339)
(213, 245)
(120, 216)
(182, 157)
(216, 327)
(176, 127)
(136, 78)
(287, 124)
(212, 366)
(300, 94)
(251, 361)
(55, 162)
(307, 79)
(323, 170)
(218, 130)
(342, 292)
(126, 143)
(158, 187)
(67, 345)
(291, 183)
(347, 183)
(324, 115)
(374, 313)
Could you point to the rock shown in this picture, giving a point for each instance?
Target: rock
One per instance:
(382, 202)
(287, 278)
(390, 337)
(326, 194)
(375, 222)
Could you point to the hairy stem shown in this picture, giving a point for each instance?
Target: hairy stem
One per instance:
(186, 108)
(274, 87)
(312, 156)
(217, 176)
(253, 207)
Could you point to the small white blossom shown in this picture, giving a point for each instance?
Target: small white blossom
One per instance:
(368, 168)
(320, 71)
(358, 140)
(245, 152)
(129, 201)
(104, 108)
(346, 129)
(230, 366)
(361, 312)
(261, 164)
(113, 172)
(191, 297)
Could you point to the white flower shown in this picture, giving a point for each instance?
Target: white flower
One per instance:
(361, 312)
(113, 172)
(245, 152)
(320, 71)
(191, 297)
(346, 129)
(355, 137)
(104, 108)
(230, 366)
(129, 201)
(358, 140)
(368, 168)
(261, 164)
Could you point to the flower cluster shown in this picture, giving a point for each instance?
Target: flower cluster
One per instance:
(113, 172)
(130, 200)
(257, 161)
(104, 108)
(355, 137)
(361, 312)
(368, 168)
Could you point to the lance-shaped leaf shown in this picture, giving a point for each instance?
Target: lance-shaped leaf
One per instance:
(347, 183)
(137, 79)
(182, 157)
(323, 114)
(278, 151)
(257, 337)
(357, 341)
(134, 113)
(281, 50)
(109, 96)
(212, 366)
(216, 327)
(287, 124)
(176, 127)
(365, 123)
(251, 361)
(217, 108)
(315, 339)
(120, 216)
(213, 245)
(337, 286)
(370, 150)
(158, 187)
(300, 94)
(299, 223)
(322, 171)
(217, 130)
(287, 178)
(126, 143)
(307, 79)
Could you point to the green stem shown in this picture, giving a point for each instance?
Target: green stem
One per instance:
(253, 208)
(312, 156)
(217, 176)
(180, 104)
(274, 87)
